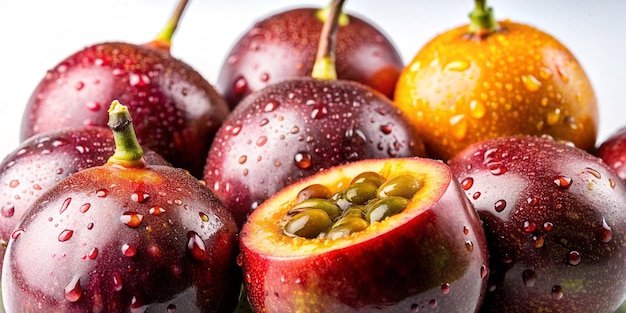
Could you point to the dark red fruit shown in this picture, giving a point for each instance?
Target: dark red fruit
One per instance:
(283, 46)
(429, 257)
(176, 111)
(124, 237)
(297, 127)
(43, 160)
(613, 152)
(555, 224)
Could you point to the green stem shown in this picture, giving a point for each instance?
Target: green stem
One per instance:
(324, 67)
(163, 40)
(128, 151)
(482, 20)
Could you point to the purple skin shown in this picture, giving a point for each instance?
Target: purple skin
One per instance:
(296, 128)
(111, 239)
(613, 152)
(43, 160)
(176, 112)
(555, 224)
(284, 45)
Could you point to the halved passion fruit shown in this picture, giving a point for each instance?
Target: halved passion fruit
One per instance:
(397, 235)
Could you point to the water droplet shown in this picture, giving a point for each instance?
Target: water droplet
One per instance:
(445, 288)
(242, 159)
(500, 205)
(136, 305)
(529, 227)
(14, 183)
(271, 105)
(469, 245)
(171, 308)
(65, 235)
(79, 85)
(196, 246)
(203, 216)
(93, 106)
(129, 250)
(139, 197)
(548, 226)
(467, 183)
(476, 195)
(90, 226)
(477, 109)
(562, 73)
(73, 290)
(156, 210)
(415, 308)
(64, 205)
(545, 72)
(529, 278)
(496, 168)
(557, 292)
(138, 80)
(386, 129)
(465, 230)
(459, 126)
(84, 208)
(93, 253)
(563, 182)
(117, 281)
(483, 271)
(573, 257)
(102, 193)
(531, 83)
(538, 241)
(302, 160)
(606, 233)
(7, 210)
(261, 141)
(131, 219)
(17, 232)
(240, 86)
(457, 66)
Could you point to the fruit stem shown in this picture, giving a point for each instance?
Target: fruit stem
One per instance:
(163, 40)
(128, 152)
(482, 20)
(324, 67)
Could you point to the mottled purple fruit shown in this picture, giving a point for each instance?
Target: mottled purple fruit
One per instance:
(555, 224)
(124, 237)
(43, 160)
(283, 45)
(176, 111)
(613, 152)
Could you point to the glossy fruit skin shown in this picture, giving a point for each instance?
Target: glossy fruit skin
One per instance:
(555, 224)
(176, 112)
(176, 249)
(431, 259)
(284, 45)
(295, 128)
(460, 89)
(613, 152)
(41, 161)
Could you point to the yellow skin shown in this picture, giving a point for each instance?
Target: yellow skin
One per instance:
(461, 88)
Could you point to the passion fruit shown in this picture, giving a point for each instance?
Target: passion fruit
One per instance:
(393, 235)
(489, 79)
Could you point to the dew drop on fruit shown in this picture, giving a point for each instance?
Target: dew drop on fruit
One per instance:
(459, 126)
(242, 159)
(500, 205)
(65, 235)
(79, 85)
(271, 105)
(262, 140)
(529, 227)
(562, 73)
(93, 253)
(484, 270)
(171, 308)
(7, 210)
(529, 278)
(319, 111)
(386, 129)
(64, 205)
(557, 292)
(611, 183)
(139, 197)
(129, 250)
(415, 308)
(432, 303)
(469, 245)
(203, 216)
(93, 106)
(156, 210)
(548, 226)
(563, 182)
(102, 193)
(84, 208)
(538, 241)
(196, 246)
(531, 83)
(457, 66)
(476, 195)
(496, 168)
(445, 288)
(131, 219)
(466, 230)
(239, 259)
(302, 160)
(477, 109)
(90, 226)
(14, 183)
(573, 258)
(593, 172)
(17, 232)
(117, 281)
(605, 233)
(467, 183)
(73, 290)
(240, 86)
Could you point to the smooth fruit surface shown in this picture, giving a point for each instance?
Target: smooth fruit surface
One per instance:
(461, 88)
(283, 46)
(613, 152)
(430, 256)
(176, 112)
(555, 224)
(295, 128)
(43, 160)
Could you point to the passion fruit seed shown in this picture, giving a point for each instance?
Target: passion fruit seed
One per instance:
(369, 198)
(308, 224)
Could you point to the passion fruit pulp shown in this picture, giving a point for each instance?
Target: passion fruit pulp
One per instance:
(429, 251)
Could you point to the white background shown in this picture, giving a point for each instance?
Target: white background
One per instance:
(37, 34)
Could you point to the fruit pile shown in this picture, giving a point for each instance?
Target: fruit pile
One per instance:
(323, 175)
